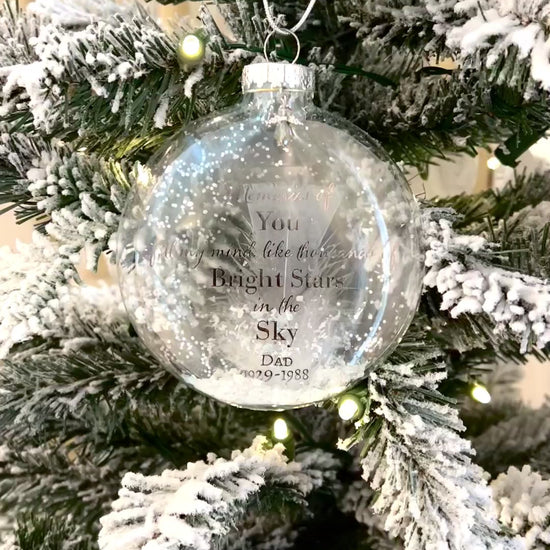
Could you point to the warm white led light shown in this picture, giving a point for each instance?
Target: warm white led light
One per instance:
(348, 408)
(280, 429)
(493, 163)
(191, 47)
(481, 394)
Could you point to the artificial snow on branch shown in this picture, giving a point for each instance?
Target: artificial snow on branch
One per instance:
(104, 58)
(111, 85)
(515, 440)
(432, 495)
(40, 298)
(54, 482)
(468, 283)
(84, 196)
(31, 282)
(492, 27)
(476, 32)
(194, 508)
(76, 13)
(522, 499)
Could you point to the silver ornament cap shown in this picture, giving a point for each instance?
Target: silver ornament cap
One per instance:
(271, 77)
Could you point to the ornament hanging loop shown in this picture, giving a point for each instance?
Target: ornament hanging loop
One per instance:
(280, 30)
(284, 32)
(273, 22)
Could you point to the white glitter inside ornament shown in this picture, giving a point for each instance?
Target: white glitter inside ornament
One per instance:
(270, 254)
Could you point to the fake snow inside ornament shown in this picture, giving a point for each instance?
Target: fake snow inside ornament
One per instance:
(271, 253)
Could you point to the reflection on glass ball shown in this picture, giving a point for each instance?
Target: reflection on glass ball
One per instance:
(271, 254)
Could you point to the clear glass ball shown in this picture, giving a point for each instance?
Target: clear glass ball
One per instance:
(270, 254)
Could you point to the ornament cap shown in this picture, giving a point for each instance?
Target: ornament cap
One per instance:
(269, 77)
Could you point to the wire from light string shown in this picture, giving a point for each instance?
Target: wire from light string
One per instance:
(273, 22)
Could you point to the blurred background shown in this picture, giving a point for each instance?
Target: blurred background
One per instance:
(462, 174)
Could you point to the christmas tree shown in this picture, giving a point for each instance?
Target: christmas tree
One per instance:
(101, 447)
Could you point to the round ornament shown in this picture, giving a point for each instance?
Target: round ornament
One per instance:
(271, 254)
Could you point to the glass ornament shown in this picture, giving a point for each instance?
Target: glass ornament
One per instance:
(270, 254)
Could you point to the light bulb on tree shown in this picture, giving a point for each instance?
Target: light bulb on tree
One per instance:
(493, 163)
(280, 429)
(191, 49)
(480, 393)
(350, 407)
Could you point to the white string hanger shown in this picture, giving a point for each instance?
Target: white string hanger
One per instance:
(273, 22)
(275, 29)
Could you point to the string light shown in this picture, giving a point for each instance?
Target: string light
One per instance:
(493, 163)
(480, 393)
(191, 49)
(280, 429)
(350, 407)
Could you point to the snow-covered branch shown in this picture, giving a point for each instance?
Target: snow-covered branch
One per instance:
(40, 298)
(491, 27)
(193, 508)
(31, 281)
(84, 196)
(102, 54)
(514, 440)
(68, 68)
(77, 13)
(468, 283)
(430, 492)
(477, 33)
(522, 499)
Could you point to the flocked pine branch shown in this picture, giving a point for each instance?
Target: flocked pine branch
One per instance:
(31, 283)
(522, 499)
(76, 13)
(176, 97)
(358, 500)
(97, 389)
(514, 441)
(65, 484)
(82, 196)
(473, 31)
(254, 538)
(196, 507)
(118, 78)
(524, 191)
(432, 494)
(70, 59)
(468, 283)
(41, 532)
(504, 43)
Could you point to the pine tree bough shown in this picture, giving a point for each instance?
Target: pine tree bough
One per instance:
(196, 507)
(40, 297)
(522, 499)
(31, 284)
(432, 495)
(76, 13)
(468, 283)
(515, 440)
(141, 47)
(472, 31)
(84, 196)
(81, 87)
